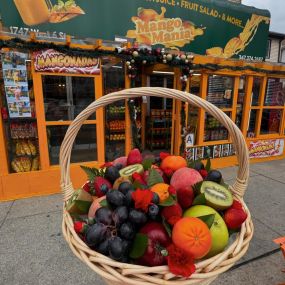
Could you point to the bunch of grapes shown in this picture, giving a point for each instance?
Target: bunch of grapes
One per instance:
(116, 225)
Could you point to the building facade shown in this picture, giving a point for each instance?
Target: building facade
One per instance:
(276, 48)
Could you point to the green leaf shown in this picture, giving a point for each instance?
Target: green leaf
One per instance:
(154, 178)
(197, 187)
(167, 227)
(91, 172)
(104, 203)
(208, 219)
(83, 206)
(233, 231)
(199, 200)
(147, 163)
(168, 202)
(208, 164)
(139, 246)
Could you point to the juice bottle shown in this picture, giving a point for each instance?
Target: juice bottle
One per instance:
(33, 12)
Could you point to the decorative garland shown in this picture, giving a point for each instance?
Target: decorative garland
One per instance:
(135, 57)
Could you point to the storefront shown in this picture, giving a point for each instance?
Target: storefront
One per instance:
(42, 92)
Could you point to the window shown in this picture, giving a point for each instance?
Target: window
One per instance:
(64, 98)
(268, 49)
(282, 56)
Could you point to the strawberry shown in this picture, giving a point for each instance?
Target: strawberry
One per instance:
(134, 157)
(168, 172)
(204, 173)
(137, 177)
(163, 155)
(234, 218)
(172, 213)
(185, 197)
(171, 190)
(86, 187)
(101, 186)
(236, 205)
(80, 227)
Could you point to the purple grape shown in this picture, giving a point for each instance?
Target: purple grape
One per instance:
(104, 215)
(120, 215)
(127, 231)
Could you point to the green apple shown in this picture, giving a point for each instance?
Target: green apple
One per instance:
(219, 230)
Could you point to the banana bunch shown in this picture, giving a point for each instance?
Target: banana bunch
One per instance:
(25, 164)
(26, 148)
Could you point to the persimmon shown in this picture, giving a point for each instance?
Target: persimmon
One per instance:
(173, 162)
(192, 235)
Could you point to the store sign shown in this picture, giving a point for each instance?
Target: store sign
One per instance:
(266, 148)
(209, 27)
(189, 140)
(53, 61)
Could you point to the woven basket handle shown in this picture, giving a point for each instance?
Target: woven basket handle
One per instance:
(240, 184)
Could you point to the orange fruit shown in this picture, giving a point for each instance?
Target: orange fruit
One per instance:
(161, 189)
(193, 236)
(173, 162)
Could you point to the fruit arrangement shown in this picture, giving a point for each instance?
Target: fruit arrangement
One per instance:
(156, 211)
(116, 125)
(25, 164)
(23, 130)
(25, 148)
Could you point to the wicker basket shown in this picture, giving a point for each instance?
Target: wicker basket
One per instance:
(114, 272)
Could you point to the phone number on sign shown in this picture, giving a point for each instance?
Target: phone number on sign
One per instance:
(26, 31)
(250, 57)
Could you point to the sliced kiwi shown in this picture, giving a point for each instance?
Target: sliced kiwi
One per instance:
(216, 195)
(128, 171)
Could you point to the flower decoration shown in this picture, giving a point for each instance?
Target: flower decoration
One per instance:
(142, 199)
(180, 262)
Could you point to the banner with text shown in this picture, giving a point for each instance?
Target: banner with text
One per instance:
(53, 61)
(266, 148)
(208, 27)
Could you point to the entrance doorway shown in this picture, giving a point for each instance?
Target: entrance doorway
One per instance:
(158, 132)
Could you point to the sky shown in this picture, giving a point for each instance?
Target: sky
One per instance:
(277, 10)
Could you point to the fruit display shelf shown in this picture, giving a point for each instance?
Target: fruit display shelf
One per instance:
(131, 222)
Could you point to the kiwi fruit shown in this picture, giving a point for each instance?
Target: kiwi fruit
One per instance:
(216, 195)
(128, 171)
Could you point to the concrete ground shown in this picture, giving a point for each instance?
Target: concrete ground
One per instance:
(33, 251)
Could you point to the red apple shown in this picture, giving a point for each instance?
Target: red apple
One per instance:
(158, 240)
(185, 196)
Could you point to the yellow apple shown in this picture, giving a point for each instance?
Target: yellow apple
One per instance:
(219, 230)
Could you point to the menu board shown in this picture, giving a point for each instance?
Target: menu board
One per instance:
(16, 84)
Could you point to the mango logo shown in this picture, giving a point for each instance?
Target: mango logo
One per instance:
(152, 28)
(238, 44)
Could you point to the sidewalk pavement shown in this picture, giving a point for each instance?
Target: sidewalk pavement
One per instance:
(33, 251)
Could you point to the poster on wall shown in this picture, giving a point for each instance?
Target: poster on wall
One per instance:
(53, 61)
(16, 84)
(204, 152)
(266, 148)
(182, 24)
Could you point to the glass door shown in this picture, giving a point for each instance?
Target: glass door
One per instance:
(64, 98)
(158, 132)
